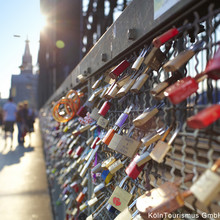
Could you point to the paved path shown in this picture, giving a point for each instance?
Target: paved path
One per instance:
(24, 193)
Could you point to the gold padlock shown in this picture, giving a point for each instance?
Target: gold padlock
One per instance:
(97, 82)
(124, 144)
(148, 114)
(161, 148)
(120, 198)
(207, 187)
(182, 57)
(153, 137)
(141, 80)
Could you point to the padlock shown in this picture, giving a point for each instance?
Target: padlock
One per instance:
(161, 148)
(84, 128)
(99, 188)
(124, 144)
(124, 89)
(163, 85)
(87, 165)
(95, 200)
(118, 124)
(83, 206)
(207, 187)
(183, 88)
(112, 91)
(108, 136)
(148, 114)
(133, 170)
(81, 195)
(82, 111)
(90, 140)
(105, 89)
(97, 168)
(127, 214)
(150, 56)
(141, 80)
(117, 165)
(102, 122)
(75, 140)
(182, 57)
(108, 162)
(80, 168)
(94, 114)
(105, 107)
(106, 176)
(123, 117)
(144, 156)
(94, 143)
(157, 61)
(102, 205)
(120, 198)
(117, 71)
(84, 181)
(205, 117)
(97, 82)
(96, 93)
(136, 65)
(168, 35)
(93, 127)
(213, 67)
(152, 137)
(75, 186)
(160, 201)
(78, 151)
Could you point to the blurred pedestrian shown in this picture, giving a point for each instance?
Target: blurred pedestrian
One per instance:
(20, 121)
(31, 120)
(1, 119)
(9, 117)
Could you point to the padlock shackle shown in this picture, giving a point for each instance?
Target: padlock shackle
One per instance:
(187, 178)
(166, 133)
(132, 204)
(177, 129)
(200, 77)
(186, 194)
(132, 190)
(100, 207)
(216, 165)
(123, 181)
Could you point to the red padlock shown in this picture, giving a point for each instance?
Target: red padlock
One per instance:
(82, 111)
(183, 88)
(160, 40)
(205, 117)
(75, 186)
(104, 109)
(119, 69)
(213, 66)
(133, 170)
(78, 152)
(70, 151)
(93, 145)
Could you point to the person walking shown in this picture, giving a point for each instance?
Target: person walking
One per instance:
(19, 120)
(9, 118)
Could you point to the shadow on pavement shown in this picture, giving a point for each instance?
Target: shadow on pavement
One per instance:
(13, 157)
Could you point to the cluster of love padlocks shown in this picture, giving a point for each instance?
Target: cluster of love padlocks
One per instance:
(167, 197)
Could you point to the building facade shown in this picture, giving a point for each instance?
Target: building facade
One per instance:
(24, 86)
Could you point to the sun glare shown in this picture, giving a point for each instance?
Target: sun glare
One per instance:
(43, 21)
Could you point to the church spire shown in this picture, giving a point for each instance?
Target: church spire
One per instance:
(26, 66)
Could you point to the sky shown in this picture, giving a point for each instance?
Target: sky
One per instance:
(22, 18)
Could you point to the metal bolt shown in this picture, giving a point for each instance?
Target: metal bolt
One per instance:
(131, 34)
(104, 57)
